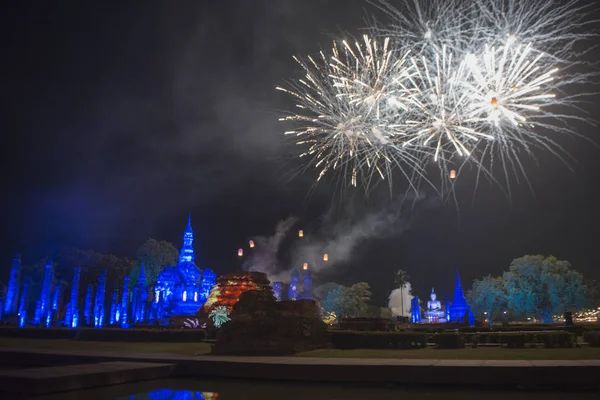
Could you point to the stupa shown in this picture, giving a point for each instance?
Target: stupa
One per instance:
(459, 307)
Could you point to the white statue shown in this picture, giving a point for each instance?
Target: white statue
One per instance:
(434, 304)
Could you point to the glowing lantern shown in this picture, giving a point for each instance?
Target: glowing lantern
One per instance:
(325, 257)
(240, 252)
(251, 244)
(494, 102)
(305, 266)
(453, 174)
(300, 233)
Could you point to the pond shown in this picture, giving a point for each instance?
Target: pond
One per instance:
(198, 389)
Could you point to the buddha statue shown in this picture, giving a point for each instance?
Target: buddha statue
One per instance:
(434, 311)
(434, 304)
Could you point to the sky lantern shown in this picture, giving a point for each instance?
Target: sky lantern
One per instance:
(251, 244)
(300, 233)
(453, 174)
(305, 266)
(240, 252)
(325, 257)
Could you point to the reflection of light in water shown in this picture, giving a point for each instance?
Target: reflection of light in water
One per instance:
(169, 394)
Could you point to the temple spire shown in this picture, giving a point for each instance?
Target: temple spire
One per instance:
(457, 279)
(187, 250)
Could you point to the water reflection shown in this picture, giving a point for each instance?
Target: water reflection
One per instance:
(170, 394)
(230, 389)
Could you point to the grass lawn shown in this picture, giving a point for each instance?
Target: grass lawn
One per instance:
(129, 347)
(481, 353)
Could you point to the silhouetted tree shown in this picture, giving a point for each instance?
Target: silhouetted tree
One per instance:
(155, 255)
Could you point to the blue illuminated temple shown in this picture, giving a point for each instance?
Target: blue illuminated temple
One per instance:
(179, 290)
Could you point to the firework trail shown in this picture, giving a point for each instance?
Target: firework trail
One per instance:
(457, 82)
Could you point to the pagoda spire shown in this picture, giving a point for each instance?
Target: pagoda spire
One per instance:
(457, 279)
(187, 250)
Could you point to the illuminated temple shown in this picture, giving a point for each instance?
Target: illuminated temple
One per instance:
(184, 288)
(456, 311)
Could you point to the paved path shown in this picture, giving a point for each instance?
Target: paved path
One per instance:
(463, 372)
(80, 376)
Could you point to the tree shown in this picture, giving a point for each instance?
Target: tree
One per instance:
(592, 290)
(91, 264)
(401, 280)
(332, 297)
(155, 255)
(487, 296)
(355, 298)
(541, 285)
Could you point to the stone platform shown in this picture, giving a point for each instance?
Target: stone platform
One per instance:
(496, 373)
(36, 381)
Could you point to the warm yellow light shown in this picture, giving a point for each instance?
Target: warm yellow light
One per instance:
(325, 257)
(453, 174)
(515, 88)
(300, 233)
(251, 244)
(240, 252)
(305, 266)
(494, 102)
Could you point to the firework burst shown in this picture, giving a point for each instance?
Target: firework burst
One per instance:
(350, 100)
(456, 82)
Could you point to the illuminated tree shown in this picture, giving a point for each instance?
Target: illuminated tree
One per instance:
(332, 299)
(487, 296)
(540, 286)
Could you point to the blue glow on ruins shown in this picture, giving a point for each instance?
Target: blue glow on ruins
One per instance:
(72, 317)
(293, 289)
(277, 290)
(307, 293)
(114, 306)
(125, 303)
(24, 302)
(182, 289)
(459, 307)
(87, 309)
(99, 302)
(140, 298)
(42, 307)
(179, 290)
(12, 293)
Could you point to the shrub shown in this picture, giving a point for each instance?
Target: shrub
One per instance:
(592, 338)
(141, 335)
(557, 339)
(38, 333)
(514, 340)
(449, 341)
(377, 340)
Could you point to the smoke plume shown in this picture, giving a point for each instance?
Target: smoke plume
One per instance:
(400, 301)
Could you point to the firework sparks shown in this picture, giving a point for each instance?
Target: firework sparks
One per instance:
(350, 100)
(451, 80)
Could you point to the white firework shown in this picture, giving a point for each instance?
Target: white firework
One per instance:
(474, 82)
(349, 101)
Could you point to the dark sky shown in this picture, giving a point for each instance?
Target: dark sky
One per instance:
(119, 119)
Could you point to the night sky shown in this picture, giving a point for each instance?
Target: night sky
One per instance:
(119, 119)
